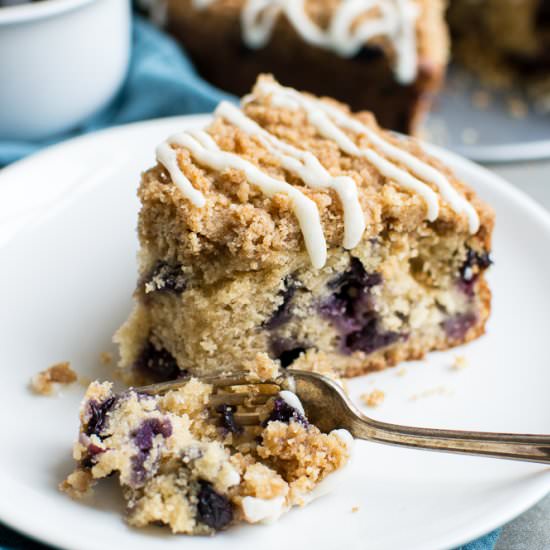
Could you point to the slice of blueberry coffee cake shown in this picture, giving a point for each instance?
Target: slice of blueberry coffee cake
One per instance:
(292, 227)
(183, 459)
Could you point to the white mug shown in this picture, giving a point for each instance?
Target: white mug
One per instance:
(60, 62)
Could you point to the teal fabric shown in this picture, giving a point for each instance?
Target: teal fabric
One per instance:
(160, 82)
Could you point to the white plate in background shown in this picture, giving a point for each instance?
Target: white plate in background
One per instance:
(67, 257)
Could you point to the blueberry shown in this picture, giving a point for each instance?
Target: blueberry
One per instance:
(139, 473)
(474, 265)
(97, 413)
(213, 509)
(227, 419)
(143, 439)
(158, 364)
(351, 310)
(283, 412)
(352, 300)
(369, 338)
(283, 313)
(457, 326)
(165, 277)
(286, 350)
(144, 435)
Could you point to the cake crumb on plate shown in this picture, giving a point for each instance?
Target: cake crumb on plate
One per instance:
(106, 358)
(355, 509)
(431, 392)
(45, 381)
(460, 362)
(373, 398)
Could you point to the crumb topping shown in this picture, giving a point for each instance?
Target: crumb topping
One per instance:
(241, 219)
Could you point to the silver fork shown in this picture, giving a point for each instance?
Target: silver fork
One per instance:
(328, 407)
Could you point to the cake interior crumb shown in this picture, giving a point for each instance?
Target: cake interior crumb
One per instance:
(373, 398)
(44, 383)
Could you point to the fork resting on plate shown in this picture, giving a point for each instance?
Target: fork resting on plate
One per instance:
(328, 407)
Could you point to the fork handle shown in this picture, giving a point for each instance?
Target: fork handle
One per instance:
(532, 448)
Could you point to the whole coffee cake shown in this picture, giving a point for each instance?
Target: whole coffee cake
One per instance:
(388, 56)
(292, 227)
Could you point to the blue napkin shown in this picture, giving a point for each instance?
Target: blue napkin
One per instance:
(160, 82)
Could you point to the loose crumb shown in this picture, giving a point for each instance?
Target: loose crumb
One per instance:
(106, 358)
(401, 372)
(517, 108)
(355, 509)
(44, 382)
(373, 398)
(431, 392)
(460, 362)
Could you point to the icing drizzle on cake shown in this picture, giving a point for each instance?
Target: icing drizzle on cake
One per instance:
(348, 30)
(206, 152)
(307, 167)
(332, 123)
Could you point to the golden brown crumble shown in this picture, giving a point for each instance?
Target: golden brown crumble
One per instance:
(374, 398)
(263, 230)
(106, 358)
(44, 383)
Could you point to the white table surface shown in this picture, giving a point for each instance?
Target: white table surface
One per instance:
(531, 530)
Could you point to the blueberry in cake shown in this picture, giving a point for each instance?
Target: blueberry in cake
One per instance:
(292, 227)
(183, 460)
(388, 56)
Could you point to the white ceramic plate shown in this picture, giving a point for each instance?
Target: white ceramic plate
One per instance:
(67, 257)
(491, 133)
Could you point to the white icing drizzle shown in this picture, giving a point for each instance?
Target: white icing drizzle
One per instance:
(168, 157)
(292, 400)
(394, 19)
(307, 167)
(206, 151)
(329, 122)
(263, 510)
